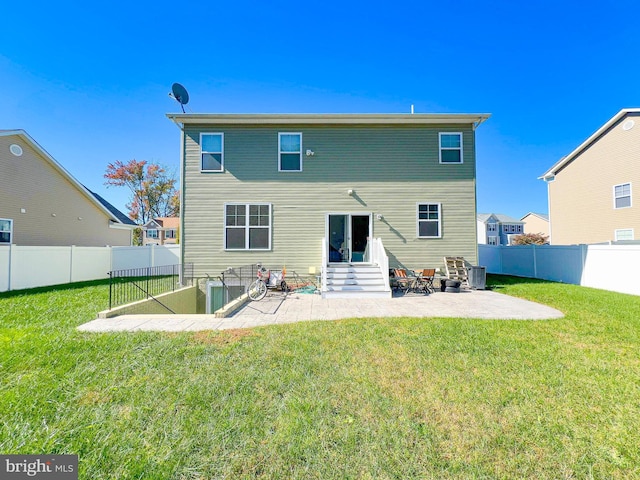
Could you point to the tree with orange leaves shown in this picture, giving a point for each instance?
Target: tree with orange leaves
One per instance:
(153, 192)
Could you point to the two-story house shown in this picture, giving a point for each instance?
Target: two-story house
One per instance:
(328, 193)
(41, 203)
(161, 231)
(592, 189)
(536, 223)
(497, 229)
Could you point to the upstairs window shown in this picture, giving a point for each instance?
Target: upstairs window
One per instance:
(247, 226)
(622, 195)
(450, 147)
(429, 220)
(6, 230)
(491, 227)
(289, 152)
(212, 152)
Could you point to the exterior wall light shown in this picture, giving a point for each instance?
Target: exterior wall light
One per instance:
(350, 192)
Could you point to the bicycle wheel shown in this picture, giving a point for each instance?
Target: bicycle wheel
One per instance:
(257, 290)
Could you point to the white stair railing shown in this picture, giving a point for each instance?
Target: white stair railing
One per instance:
(323, 269)
(379, 257)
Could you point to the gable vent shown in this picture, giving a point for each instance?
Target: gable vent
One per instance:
(628, 125)
(15, 149)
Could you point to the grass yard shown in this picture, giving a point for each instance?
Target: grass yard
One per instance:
(358, 398)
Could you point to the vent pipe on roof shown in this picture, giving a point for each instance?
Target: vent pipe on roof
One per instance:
(411, 109)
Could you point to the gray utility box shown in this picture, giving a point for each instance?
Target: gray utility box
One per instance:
(478, 277)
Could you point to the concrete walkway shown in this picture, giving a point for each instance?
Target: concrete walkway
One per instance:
(278, 309)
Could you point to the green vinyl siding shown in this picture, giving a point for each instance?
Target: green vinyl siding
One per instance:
(390, 169)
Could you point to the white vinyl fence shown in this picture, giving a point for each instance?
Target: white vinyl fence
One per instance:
(609, 267)
(28, 267)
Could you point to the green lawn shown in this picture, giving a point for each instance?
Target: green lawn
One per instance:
(358, 398)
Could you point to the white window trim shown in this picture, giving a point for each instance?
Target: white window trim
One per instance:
(630, 195)
(496, 240)
(10, 231)
(633, 236)
(280, 152)
(440, 148)
(492, 227)
(418, 219)
(155, 230)
(246, 227)
(221, 152)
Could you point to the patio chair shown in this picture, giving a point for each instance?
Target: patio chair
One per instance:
(400, 280)
(426, 278)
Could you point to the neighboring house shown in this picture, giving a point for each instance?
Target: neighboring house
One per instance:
(161, 231)
(42, 204)
(536, 223)
(328, 193)
(592, 189)
(498, 229)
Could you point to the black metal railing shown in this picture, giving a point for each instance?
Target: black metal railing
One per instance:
(134, 284)
(237, 280)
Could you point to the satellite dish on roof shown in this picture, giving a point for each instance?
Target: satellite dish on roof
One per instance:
(180, 94)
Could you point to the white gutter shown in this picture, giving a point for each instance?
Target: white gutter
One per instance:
(474, 119)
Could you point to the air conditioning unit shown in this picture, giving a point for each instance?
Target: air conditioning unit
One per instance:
(478, 277)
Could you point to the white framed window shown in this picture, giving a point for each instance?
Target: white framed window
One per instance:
(429, 220)
(622, 195)
(624, 234)
(492, 240)
(153, 233)
(518, 228)
(290, 152)
(491, 227)
(211, 152)
(171, 233)
(247, 226)
(6, 230)
(450, 147)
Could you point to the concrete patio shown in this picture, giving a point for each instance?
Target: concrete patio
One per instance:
(279, 309)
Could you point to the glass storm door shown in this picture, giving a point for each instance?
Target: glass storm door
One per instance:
(348, 236)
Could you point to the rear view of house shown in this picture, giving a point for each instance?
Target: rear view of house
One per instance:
(42, 204)
(321, 192)
(592, 189)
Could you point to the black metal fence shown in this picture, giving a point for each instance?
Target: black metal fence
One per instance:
(134, 284)
(237, 280)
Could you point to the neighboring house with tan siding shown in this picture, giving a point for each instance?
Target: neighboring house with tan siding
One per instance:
(536, 223)
(42, 204)
(161, 231)
(339, 194)
(592, 191)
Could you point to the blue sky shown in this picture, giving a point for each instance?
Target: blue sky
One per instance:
(89, 81)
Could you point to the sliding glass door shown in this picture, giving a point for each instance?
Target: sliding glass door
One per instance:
(349, 235)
